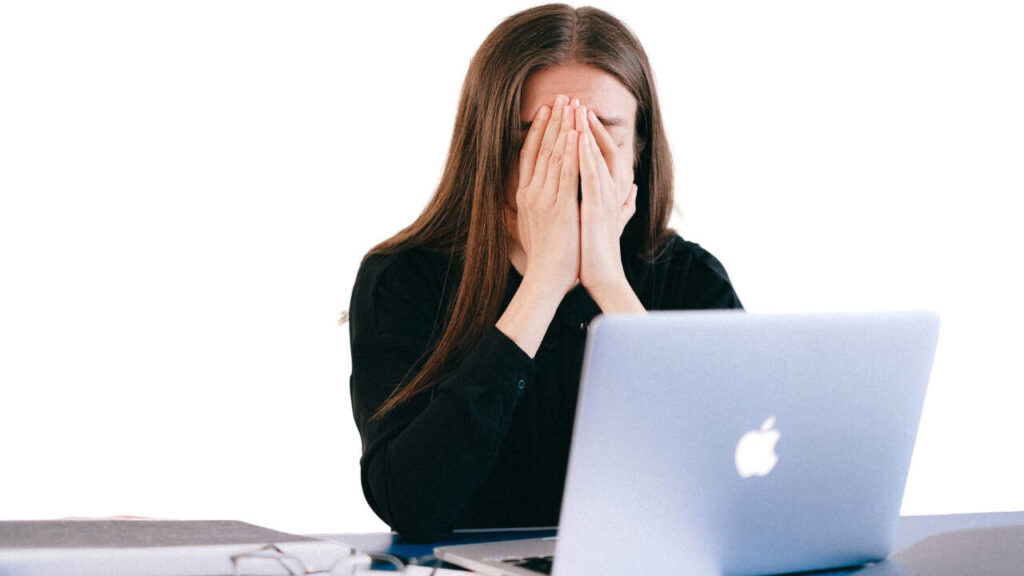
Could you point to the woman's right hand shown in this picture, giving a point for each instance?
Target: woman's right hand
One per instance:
(547, 209)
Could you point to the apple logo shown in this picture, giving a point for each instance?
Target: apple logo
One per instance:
(755, 452)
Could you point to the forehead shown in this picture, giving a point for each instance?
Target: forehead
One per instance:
(596, 89)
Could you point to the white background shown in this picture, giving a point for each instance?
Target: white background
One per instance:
(187, 189)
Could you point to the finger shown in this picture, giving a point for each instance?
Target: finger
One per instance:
(598, 157)
(604, 141)
(568, 183)
(554, 165)
(531, 145)
(547, 143)
(588, 167)
(599, 160)
(582, 125)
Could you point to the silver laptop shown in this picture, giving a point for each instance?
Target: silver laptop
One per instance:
(725, 442)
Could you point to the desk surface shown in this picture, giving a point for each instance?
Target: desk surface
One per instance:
(911, 530)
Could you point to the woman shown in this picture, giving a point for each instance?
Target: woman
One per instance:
(467, 328)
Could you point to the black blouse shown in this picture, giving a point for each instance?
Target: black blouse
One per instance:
(489, 446)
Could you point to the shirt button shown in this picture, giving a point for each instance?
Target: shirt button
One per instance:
(522, 384)
(583, 326)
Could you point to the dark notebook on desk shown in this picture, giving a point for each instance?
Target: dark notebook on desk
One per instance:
(144, 547)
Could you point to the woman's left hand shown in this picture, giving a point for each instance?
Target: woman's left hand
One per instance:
(608, 202)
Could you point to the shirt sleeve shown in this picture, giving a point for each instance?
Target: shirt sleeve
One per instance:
(423, 460)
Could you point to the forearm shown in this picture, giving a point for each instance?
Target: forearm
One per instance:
(529, 314)
(423, 476)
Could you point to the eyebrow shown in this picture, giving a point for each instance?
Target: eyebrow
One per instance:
(606, 122)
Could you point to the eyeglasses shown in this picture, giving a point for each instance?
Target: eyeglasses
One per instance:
(271, 560)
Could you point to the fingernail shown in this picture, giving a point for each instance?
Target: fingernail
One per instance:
(561, 100)
(543, 112)
(593, 116)
(575, 101)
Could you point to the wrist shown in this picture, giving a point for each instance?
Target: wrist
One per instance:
(615, 295)
(543, 292)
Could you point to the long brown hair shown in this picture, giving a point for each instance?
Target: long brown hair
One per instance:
(465, 215)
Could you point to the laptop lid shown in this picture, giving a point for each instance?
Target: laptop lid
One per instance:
(724, 442)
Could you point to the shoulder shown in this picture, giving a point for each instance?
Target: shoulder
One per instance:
(690, 257)
(693, 277)
(411, 264)
(410, 282)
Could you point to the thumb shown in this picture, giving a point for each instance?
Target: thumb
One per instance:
(510, 220)
(631, 197)
(628, 208)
